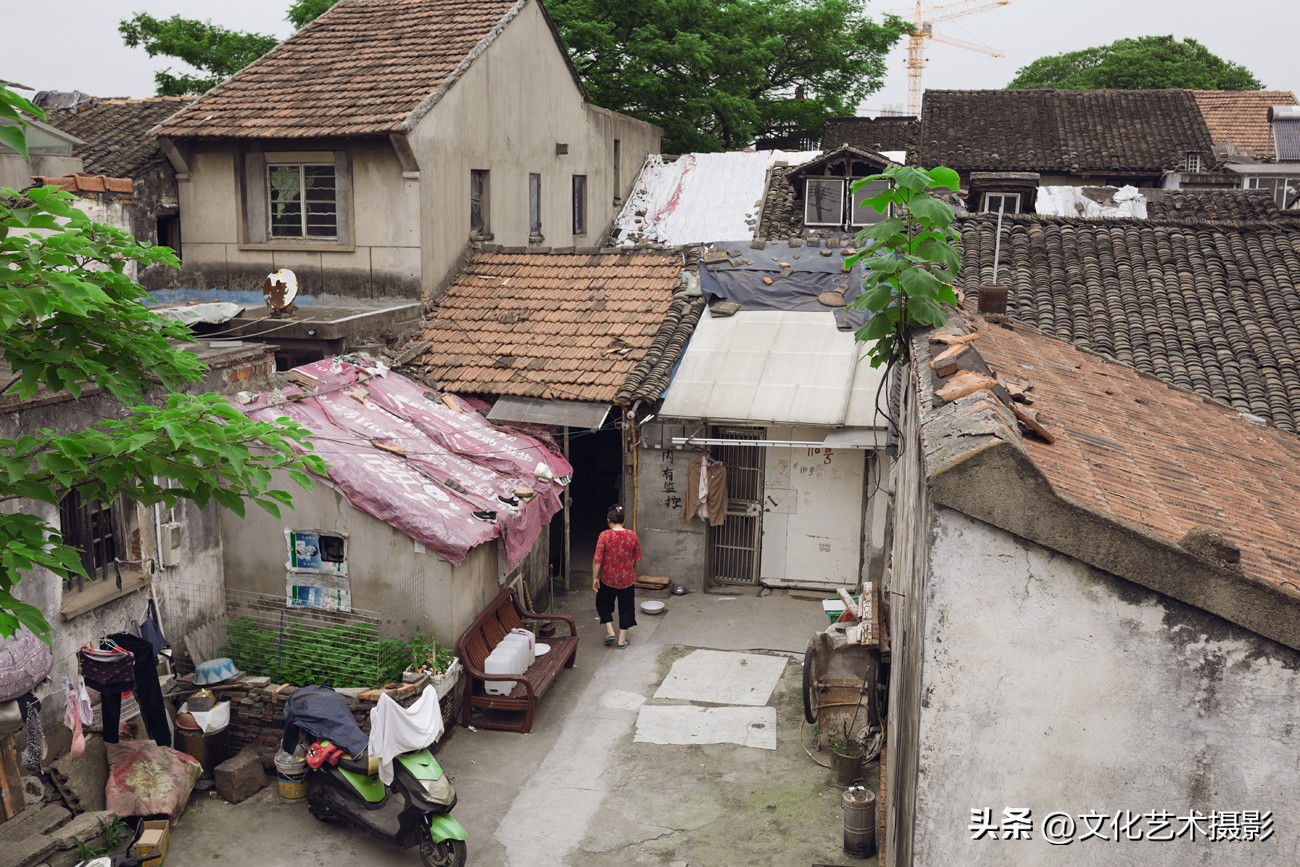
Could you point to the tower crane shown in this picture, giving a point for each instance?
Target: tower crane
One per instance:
(923, 21)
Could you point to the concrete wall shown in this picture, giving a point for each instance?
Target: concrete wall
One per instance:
(506, 115)
(812, 505)
(381, 260)
(671, 546)
(1053, 686)
(411, 588)
(16, 173)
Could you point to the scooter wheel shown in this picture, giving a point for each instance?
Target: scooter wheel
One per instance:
(443, 853)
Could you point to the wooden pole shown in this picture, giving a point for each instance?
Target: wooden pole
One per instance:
(12, 799)
(568, 518)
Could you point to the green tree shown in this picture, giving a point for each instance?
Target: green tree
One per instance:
(717, 74)
(215, 51)
(72, 321)
(1144, 63)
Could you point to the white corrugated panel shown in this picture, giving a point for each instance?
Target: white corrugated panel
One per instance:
(775, 367)
(699, 198)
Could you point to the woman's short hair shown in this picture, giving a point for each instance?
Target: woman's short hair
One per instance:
(615, 514)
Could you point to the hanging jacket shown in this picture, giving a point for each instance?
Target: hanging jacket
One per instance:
(715, 498)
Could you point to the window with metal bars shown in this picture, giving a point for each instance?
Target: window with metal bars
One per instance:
(97, 530)
(303, 200)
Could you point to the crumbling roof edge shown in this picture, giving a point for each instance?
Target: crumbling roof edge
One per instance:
(984, 472)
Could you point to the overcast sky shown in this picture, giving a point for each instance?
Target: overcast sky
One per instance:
(74, 44)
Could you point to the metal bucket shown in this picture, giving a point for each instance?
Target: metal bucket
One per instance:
(845, 769)
(859, 822)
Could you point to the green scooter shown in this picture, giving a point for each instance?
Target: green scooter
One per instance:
(414, 810)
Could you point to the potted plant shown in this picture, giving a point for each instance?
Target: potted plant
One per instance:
(431, 659)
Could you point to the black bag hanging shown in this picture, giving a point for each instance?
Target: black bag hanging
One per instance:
(111, 667)
(151, 629)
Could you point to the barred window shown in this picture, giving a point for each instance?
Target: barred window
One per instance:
(303, 200)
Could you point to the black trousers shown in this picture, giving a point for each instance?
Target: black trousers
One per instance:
(148, 694)
(606, 596)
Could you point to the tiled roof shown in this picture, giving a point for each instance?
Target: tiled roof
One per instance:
(873, 134)
(654, 371)
(1097, 131)
(1240, 117)
(1211, 204)
(1211, 307)
(87, 183)
(116, 132)
(1132, 450)
(550, 325)
(362, 68)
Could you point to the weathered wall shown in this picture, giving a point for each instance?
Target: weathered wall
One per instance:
(506, 115)
(671, 546)
(411, 588)
(154, 194)
(903, 595)
(812, 510)
(382, 260)
(16, 173)
(1053, 686)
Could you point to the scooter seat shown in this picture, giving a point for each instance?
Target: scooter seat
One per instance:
(361, 763)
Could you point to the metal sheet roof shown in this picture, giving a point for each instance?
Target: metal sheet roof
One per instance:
(558, 413)
(777, 367)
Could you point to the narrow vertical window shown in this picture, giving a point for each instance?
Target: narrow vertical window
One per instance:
(618, 170)
(535, 205)
(579, 204)
(478, 202)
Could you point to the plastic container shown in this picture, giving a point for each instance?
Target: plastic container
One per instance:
(504, 659)
(525, 647)
(527, 636)
(835, 607)
(291, 774)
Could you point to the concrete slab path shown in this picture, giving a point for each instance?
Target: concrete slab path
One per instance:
(583, 789)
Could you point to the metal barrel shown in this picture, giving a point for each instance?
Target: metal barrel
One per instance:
(859, 822)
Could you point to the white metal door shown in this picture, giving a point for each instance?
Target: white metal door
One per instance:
(734, 546)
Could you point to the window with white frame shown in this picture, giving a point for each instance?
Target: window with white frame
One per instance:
(1007, 203)
(302, 200)
(1285, 191)
(823, 203)
(865, 215)
(1192, 163)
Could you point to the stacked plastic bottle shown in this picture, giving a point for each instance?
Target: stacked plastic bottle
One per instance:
(512, 656)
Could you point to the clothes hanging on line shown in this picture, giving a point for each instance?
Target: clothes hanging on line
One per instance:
(147, 692)
(706, 491)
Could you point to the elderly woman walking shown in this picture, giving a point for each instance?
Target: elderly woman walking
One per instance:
(613, 572)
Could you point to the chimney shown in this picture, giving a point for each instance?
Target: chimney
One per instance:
(993, 301)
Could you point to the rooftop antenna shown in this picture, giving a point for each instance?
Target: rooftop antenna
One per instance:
(923, 21)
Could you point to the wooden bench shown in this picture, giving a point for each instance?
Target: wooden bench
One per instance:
(488, 629)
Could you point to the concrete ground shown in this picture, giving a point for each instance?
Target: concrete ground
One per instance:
(611, 774)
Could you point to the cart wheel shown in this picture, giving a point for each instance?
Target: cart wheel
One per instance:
(812, 673)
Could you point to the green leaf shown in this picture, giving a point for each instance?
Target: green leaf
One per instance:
(919, 283)
(15, 138)
(910, 178)
(883, 230)
(931, 212)
(945, 178)
(938, 251)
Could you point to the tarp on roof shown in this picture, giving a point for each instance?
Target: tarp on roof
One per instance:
(698, 198)
(775, 368)
(797, 287)
(402, 454)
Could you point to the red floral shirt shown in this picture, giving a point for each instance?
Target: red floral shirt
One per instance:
(617, 553)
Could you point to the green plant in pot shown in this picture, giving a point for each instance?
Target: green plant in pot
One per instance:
(428, 656)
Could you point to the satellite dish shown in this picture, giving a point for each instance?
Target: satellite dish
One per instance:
(279, 290)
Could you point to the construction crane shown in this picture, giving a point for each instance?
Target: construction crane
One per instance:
(923, 21)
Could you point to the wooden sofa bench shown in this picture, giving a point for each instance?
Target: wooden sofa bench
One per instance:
(488, 629)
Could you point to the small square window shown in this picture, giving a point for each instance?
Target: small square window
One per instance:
(579, 204)
(478, 202)
(302, 200)
(823, 202)
(535, 205)
(1192, 163)
(1007, 203)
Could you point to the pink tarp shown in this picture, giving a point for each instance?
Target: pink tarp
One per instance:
(398, 452)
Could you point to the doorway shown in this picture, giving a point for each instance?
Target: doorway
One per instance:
(733, 547)
(597, 459)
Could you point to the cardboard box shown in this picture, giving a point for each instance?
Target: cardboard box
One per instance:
(152, 841)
